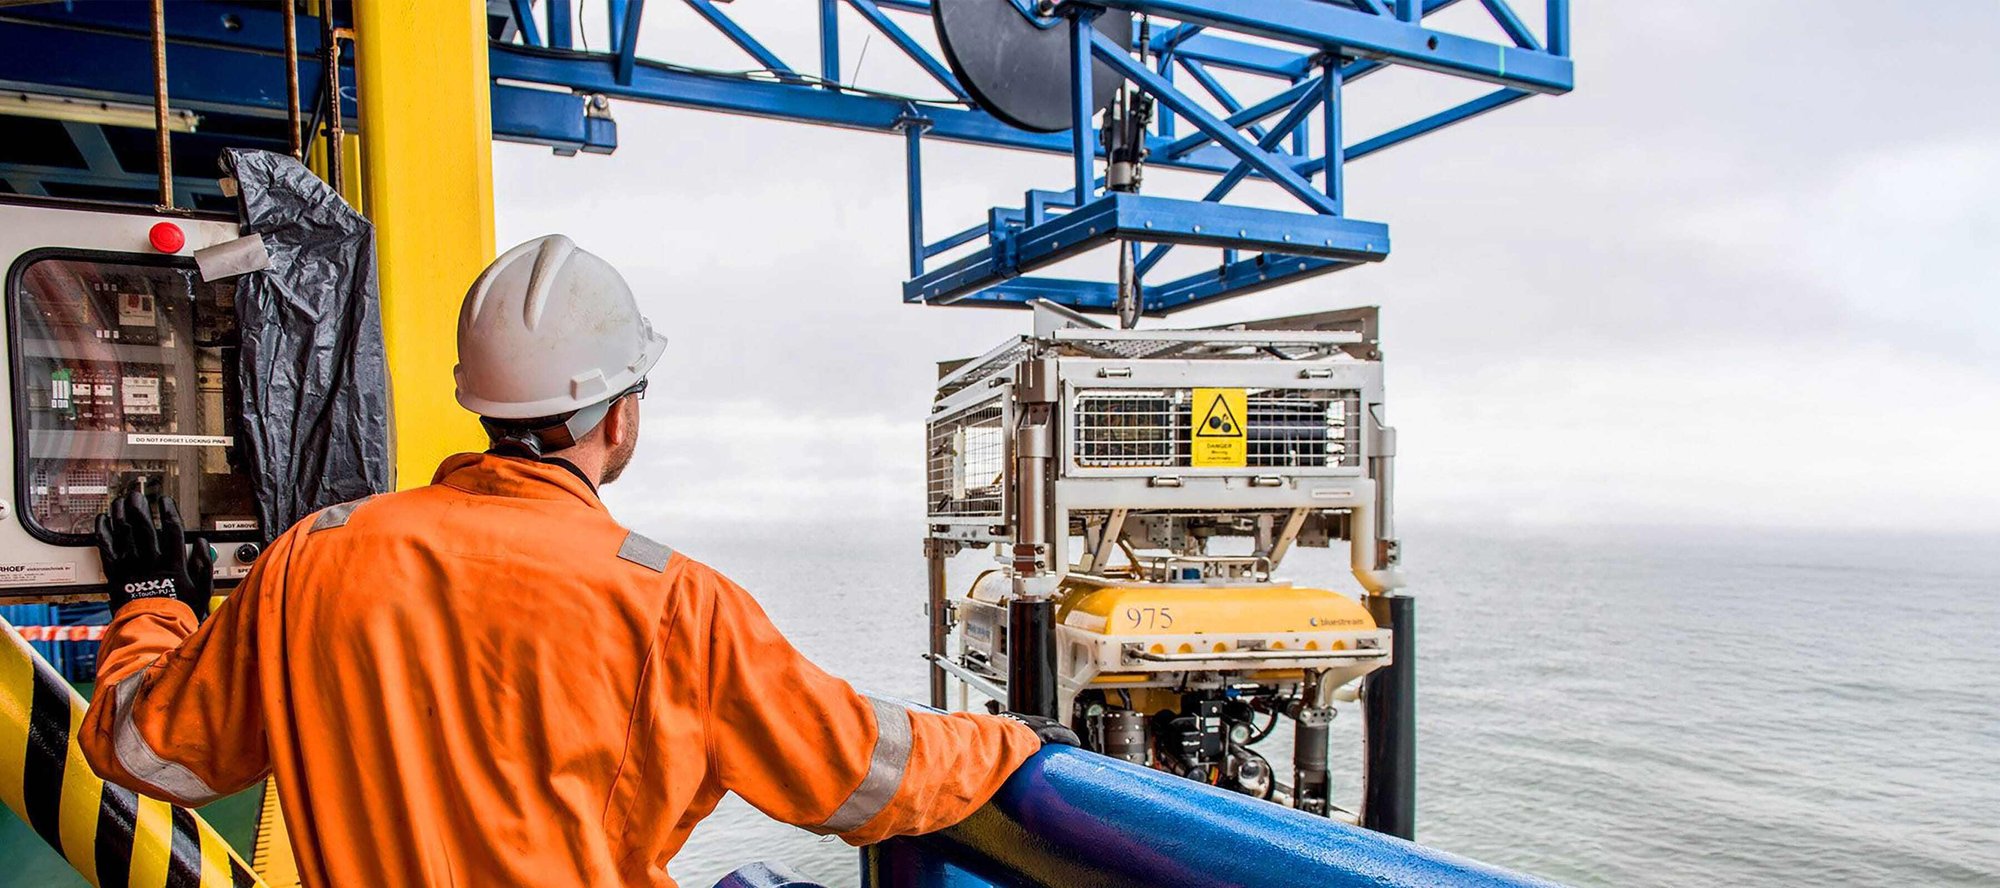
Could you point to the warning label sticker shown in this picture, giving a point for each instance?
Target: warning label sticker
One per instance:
(143, 439)
(37, 574)
(1220, 439)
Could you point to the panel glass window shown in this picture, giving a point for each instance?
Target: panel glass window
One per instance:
(125, 371)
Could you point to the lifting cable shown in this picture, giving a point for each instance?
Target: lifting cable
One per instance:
(113, 837)
(165, 144)
(329, 48)
(292, 76)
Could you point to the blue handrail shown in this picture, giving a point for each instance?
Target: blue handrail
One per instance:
(1075, 818)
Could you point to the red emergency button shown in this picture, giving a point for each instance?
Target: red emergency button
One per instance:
(167, 237)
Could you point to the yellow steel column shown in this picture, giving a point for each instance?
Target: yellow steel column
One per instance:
(427, 166)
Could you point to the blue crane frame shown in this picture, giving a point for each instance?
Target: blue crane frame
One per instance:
(223, 60)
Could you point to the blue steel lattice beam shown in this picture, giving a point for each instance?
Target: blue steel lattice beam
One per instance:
(1511, 23)
(1021, 242)
(1216, 90)
(1245, 117)
(1331, 111)
(90, 56)
(222, 26)
(654, 84)
(85, 48)
(1558, 29)
(627, 39)
(1499, 98)
(561, 30)
(1237, 55)
(113, 63)
(829, 42)
(740, 37)
(936, 69)
(615, 15)
(1117, 216)
(1254, 58)
(1257, 157)
(1083, 145)
(524, 19)
(1291, 121)
(1325, 26)
(1190, 152)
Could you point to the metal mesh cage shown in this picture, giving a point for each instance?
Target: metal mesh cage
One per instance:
(1305, 428)
(1131, 428)
(1149, 428)
(968, 461)
(978, 369)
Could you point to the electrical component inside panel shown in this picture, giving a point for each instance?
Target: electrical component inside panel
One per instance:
(125, 373)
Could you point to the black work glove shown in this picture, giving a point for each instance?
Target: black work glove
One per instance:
(140, 562)
(1050, 730)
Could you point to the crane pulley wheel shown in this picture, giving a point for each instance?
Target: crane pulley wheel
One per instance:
(1017, 69)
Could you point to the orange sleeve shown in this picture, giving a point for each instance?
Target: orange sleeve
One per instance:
(175, 715)
(805, 748)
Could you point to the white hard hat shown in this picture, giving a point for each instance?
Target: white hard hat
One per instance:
(549, 329)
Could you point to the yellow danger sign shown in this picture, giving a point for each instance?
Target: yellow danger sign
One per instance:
(1220, 439)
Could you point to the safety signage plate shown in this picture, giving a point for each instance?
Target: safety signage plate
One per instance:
(1221, 441)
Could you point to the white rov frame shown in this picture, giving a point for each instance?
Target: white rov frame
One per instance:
(986, 414)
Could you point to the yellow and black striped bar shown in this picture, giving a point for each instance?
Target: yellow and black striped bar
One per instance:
(112, 836)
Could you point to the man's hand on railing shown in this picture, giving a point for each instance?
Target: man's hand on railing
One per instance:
(1050, 730)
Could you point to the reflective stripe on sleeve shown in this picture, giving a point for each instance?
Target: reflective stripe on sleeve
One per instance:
(885, 769)
(139, 759)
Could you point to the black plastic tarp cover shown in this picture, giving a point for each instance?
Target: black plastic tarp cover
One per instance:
(313, 374)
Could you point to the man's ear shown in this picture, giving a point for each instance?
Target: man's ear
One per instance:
(622, 425)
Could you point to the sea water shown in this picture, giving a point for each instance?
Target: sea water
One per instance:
(1599, 707)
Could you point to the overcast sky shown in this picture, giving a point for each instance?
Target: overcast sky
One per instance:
(1748, 273)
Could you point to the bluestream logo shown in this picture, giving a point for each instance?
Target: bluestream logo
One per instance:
(149, 588)
(1333, 621)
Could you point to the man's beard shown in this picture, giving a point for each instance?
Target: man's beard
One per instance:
(616, 461)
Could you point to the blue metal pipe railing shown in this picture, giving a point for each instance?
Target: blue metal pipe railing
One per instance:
(1075, 818)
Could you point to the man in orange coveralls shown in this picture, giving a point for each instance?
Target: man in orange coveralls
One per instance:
(488, 681)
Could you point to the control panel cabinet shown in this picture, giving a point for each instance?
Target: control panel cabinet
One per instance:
(121, 367)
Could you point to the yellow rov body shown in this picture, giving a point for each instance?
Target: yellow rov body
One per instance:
(1127, 633)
